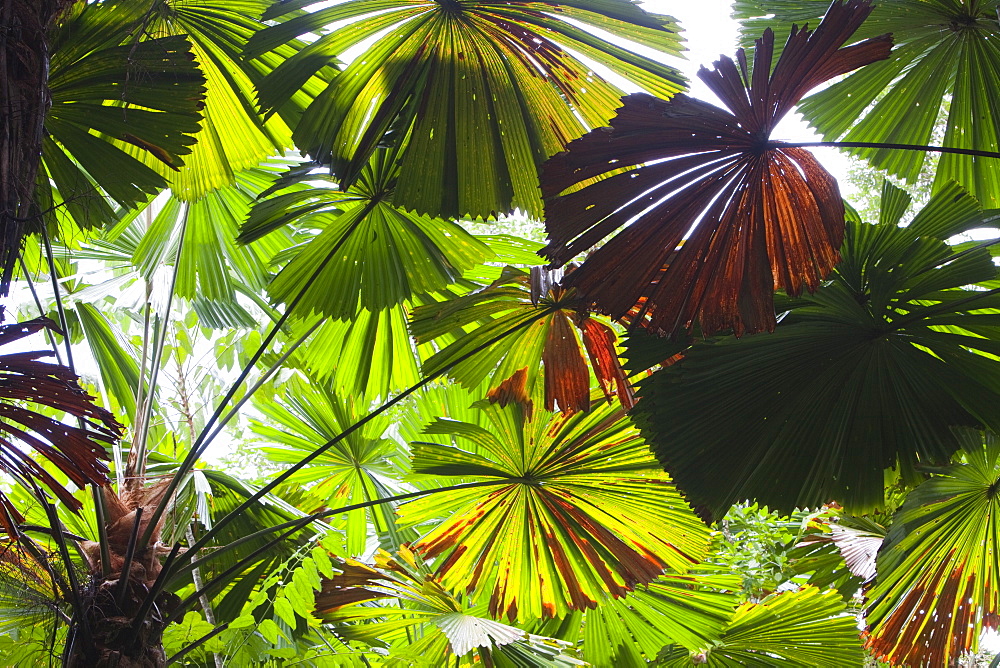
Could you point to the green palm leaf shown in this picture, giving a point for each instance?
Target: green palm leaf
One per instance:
(946, 50)
(482, 91)
(143, 94)
(804, 628)
(234, 134)
(198, 240)
(451, 630)
(367, 252)
(937, 573)
(690, 610)
(580, 511)
(359, 468)
(869, 373)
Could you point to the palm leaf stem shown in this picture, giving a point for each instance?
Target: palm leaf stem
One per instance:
(41, 309)
(877, 144)
(58, 583)
(48, 531)
(102, 530)
(197, 643)
(74, 583)
(302, 522)
(102, 536)
(208, 535)
(140, 390)
(274, 368)
(129, 555)
(137, 466)
(203, 441)
(63, 323)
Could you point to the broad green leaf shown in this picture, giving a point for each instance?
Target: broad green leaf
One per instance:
(107, 90)
(579, 514)
(234, 135)
(452, 629)
(871, 372)
(479, 92)
(365, 252)
(937, 573)
(356, 469)
(804, 628)
(945, 70)
(115, 358)
(690, 610)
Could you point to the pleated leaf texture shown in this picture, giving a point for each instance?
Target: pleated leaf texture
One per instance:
(481, 92)
(807, 627)
(716, 214)
(546, 354)
(112, 101)
(944, 75)
(938, 572)
(365, 252)
(580, 512)
(451, 629)
(872, 372)
(234, 135)
(78, 452)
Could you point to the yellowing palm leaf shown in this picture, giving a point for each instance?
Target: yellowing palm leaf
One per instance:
(937, 577)
(581, 511)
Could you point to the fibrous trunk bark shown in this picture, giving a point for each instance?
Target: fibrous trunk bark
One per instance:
(24, 101)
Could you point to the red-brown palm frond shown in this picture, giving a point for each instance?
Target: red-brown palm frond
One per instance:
(79, 452)
(706, 193)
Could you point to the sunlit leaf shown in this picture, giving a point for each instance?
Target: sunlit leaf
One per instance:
(452, 629)
(480, 91)
(356, 469)
(552, 338)
(562, 530)
(717, 214)
(938, 572)
(366, 252)
(804, 628)
(944, 72)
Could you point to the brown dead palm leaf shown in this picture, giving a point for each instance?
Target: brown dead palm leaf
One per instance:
(78, 452)
(716, 214)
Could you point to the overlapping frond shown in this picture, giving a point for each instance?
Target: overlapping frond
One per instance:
(480, 91)
(871, 372)
(944, 71)
(807, 627)
(717, 214)
(552, 338)
(366, 253)
(79, 452)
(938, 574)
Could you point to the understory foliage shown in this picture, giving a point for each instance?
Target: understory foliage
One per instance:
(279, 386)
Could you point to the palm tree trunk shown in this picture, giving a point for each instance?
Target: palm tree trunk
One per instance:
(24, 101)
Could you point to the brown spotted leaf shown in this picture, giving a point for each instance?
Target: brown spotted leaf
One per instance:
(937, 578)
(705, 193)
(580, 511)
(543, 340)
